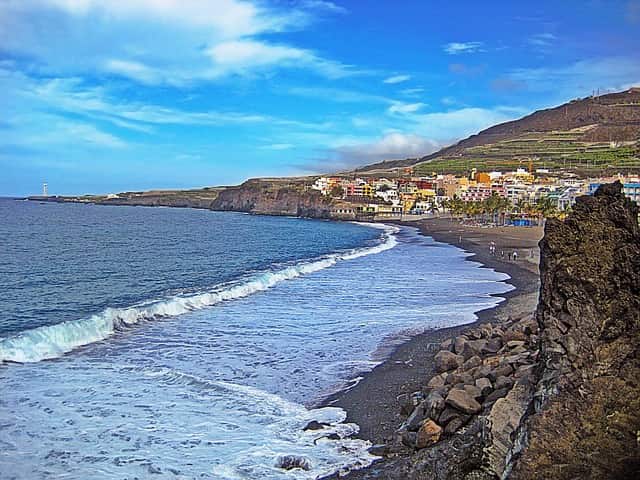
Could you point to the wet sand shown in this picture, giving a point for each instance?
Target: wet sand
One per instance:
(372, 403)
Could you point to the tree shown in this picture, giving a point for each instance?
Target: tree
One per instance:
(336, 191)
(455, 205)
(546, 208)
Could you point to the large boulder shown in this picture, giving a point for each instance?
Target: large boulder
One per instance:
(428, 434)
(289, 462)
(463, 401)
(445, 361)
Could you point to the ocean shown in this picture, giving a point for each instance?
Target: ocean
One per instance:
(177, 343)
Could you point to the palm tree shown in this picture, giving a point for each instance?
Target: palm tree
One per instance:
(546, 208)
(455, 205)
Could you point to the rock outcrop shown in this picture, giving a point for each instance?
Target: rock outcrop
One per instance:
(587, 420)
(274, 198)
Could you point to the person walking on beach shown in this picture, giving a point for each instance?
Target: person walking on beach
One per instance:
(509, 255)
(515, 256)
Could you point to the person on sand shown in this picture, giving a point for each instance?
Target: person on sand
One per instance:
(509, 255)
(515, 256)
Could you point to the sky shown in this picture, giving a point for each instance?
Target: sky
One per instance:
(100, 96)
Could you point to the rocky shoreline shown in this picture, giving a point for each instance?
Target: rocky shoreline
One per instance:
(391, 403)
(546, 389)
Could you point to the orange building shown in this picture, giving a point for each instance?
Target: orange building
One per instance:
(482, 177)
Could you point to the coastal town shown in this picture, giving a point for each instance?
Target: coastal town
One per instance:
(520, 197)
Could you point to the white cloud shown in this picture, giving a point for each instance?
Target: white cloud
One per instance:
(397, 79)
(456, 48)
(403, 108)
(239, 18)
(357, 152)
(175, 42)
(399, 145)
(239, 56)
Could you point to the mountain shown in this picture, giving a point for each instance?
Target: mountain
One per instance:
(593, 133)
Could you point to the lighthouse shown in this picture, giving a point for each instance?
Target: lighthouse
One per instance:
(45, 189)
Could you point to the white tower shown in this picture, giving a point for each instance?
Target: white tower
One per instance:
(45, 190)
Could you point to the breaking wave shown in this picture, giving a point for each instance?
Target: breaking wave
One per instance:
(53, 341)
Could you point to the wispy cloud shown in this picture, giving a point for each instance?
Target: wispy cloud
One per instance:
(323, 5)
(542, 40)
(397, 79)
(339, 95)
(412, 92)
(579, 78)
(403, 108)
(457, 48)
(62, 133)
(59, 114)
(277, 146)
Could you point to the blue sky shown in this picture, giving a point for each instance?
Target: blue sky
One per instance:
(111, 95)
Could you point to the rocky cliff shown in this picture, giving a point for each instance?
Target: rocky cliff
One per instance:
(587, 420)
(274, 198)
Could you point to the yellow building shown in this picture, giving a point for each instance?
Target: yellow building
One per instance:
(368, 190)
(426, 193)
(408, 201)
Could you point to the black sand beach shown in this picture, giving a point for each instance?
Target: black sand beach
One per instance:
(372, 403)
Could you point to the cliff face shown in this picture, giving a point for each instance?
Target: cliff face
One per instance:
(587, 423)
(273, 198)
(162, 201)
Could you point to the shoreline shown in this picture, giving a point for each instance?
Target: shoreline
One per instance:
(372, 403)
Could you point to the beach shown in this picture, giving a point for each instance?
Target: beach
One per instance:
(373, 402)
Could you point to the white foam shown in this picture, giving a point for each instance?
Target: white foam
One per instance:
(53, 341)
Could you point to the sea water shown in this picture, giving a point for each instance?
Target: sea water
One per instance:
(175, 343)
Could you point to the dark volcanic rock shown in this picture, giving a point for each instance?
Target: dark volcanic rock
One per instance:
(315, 425)
(588, 396)
(274, 198)
(289, 462)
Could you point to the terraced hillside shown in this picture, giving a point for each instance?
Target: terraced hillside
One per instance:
(589, 135)
(566, 150)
